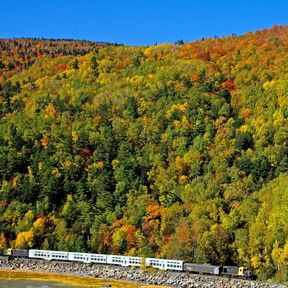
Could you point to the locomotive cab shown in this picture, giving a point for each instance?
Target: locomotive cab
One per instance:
(244, 272)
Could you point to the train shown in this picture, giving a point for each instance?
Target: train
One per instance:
(132, 261)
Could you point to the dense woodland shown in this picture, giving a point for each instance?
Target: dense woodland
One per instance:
(173, 151)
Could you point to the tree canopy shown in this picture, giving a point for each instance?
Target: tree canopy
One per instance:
(174, 151)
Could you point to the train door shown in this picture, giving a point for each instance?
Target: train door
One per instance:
(88, 258)
(48, 256)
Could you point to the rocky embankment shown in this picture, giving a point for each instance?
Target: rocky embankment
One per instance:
(171, 279)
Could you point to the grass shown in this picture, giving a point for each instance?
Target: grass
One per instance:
(68, 280)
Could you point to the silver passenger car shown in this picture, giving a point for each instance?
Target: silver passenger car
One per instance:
(124, 260)
(87, 257)
(48, 254)
(165, 264)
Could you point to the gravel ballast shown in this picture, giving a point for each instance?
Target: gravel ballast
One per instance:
(171, 279)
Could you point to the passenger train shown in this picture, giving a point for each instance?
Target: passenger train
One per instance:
(129, 261)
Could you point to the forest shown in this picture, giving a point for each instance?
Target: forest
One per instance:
(175, 150)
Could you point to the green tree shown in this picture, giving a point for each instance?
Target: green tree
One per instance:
(94, 64)
(75, 64)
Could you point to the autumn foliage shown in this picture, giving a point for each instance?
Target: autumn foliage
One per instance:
(174, 151)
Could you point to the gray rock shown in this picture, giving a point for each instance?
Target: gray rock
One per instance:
(171, 279)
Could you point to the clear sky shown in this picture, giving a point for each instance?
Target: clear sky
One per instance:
(135, 22)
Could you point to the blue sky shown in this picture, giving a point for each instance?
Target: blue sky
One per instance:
(133, 22)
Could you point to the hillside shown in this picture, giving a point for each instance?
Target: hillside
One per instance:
(19, 53)
(176, 151)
